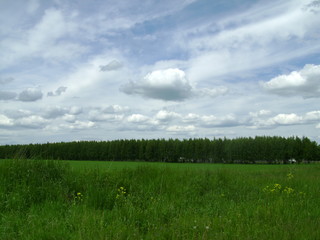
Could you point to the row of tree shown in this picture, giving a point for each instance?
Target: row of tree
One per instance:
(239, 150)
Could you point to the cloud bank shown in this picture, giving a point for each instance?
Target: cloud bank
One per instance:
(305, 83)
(169, 85)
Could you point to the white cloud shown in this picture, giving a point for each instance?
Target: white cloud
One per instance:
(18, 119)
(137, 118)
(110, 113)
(67, 113)
(304, 83)
(191, 118)
(225, 121)
(312, 116)
(5, 121)
(17, 113)
(52, 27)
(266, 34)
(98, 116)
(165, 116)
(85, 80)
(208, 121)
(178, 128)
(294, 79)
(31, 122)
(78, 125)
(75, 110)
(283, 119)
(169, 85)
(286, 119)
(30, 95)
(69, 118)
(48, 39)
(262, 112)
(115, 109)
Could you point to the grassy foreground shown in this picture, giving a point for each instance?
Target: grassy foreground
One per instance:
(53, 200)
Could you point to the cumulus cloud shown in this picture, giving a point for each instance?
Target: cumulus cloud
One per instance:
(165, 116)
(69, 118)
(17, 113)
(22, 119)
(259, 113)
(32, 121)
(98, 116)
(108, 113)
(75, 110)
(208, 121)
(54, 112)
(58, 92)
(225, 121)
(30, 95)
(191, 118)
(115, 109)
(5, 121)
(284, 119)
(169, 85)
(58, 111)
(78, 125)
(312, 116)
(178, 128)
(303, 83)
(137, 118)
(7, 95)
(113, 65)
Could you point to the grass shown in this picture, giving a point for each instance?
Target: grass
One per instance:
(119, 200)
(118, 165)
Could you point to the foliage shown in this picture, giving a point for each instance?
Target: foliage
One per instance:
(240, 150)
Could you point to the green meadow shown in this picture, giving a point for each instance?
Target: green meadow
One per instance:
(42, 199)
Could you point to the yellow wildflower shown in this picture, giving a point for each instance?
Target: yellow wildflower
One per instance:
(289, 176)
(277, 186)
(288, 190)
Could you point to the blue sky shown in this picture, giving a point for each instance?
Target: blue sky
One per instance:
(104, 70)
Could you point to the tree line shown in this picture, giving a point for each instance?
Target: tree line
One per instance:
(239, 150)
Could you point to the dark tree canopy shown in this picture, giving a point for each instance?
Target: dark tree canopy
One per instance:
(240, 150)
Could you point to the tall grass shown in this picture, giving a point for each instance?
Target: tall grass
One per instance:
(49, 200)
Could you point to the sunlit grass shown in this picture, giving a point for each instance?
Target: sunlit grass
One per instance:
(82, 200)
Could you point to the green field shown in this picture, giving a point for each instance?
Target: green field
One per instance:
(131, 200)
